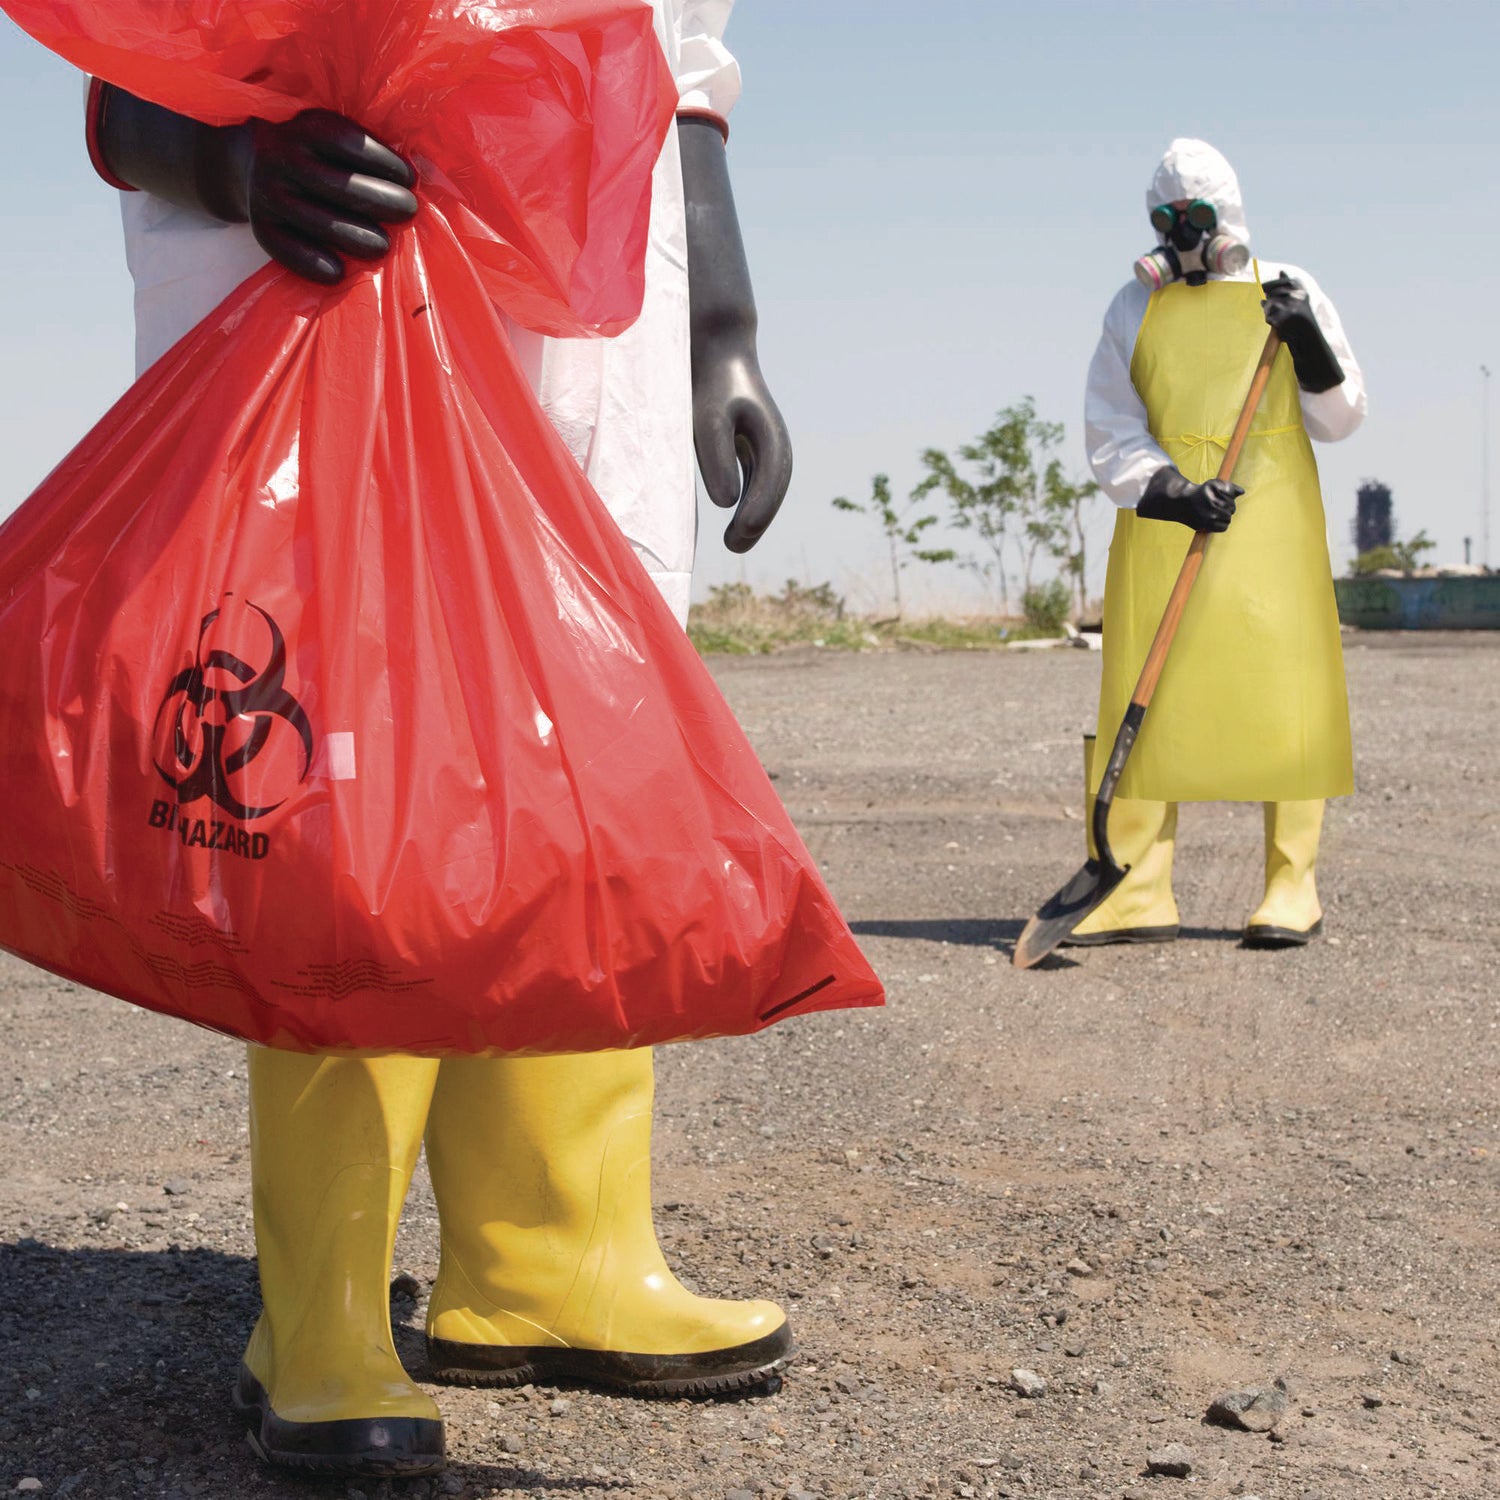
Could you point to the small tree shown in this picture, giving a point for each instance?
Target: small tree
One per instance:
(1068, 501)
(984, 505)
(1018, 497)
(903, 527)
(1404, 557)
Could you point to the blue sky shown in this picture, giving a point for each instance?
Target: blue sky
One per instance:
(939, 200)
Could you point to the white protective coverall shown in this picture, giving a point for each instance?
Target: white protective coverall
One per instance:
(622, 405)
(1122, 452)
(542, 1165)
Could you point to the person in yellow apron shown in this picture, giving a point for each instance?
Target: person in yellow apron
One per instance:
(1251, 705)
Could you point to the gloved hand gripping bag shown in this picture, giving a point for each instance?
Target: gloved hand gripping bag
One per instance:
(337, 712)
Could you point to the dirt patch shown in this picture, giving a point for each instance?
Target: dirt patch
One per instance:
(1146, 1175)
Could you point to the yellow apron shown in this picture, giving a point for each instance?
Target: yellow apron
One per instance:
(1251, 706)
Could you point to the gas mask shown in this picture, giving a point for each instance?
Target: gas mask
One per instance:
(1195, 247)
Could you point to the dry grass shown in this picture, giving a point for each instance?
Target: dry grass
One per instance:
(737, 621)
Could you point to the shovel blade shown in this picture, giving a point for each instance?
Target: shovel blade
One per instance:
(1064, 910)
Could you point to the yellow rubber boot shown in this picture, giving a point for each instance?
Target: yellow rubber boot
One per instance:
(333, 1141)
(1142, 835)
(1290, 914)
(550, 1265)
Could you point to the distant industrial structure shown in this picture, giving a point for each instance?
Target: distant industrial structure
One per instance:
(1374, 519)
(1402, 594)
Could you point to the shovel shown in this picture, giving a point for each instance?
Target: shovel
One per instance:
(1087, 890)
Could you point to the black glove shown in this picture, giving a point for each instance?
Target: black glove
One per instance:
(1289, 311)
(1200, 507)
(313, 189)
(744, 449)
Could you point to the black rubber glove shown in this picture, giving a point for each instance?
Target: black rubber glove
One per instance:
(1289, 311)
(314, 189)
(744, 449)
(1200, 507)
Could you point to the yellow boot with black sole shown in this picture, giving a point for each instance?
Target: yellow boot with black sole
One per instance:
(550, 1268)
(333, 1143)
(1290, 915)
(1142, 836)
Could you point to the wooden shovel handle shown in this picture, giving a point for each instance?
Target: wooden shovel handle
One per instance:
(1172, 616)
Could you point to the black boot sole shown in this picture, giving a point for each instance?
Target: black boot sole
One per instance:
(1280, 937)
(1123, 935)
(718, 1372)
(364, 1447)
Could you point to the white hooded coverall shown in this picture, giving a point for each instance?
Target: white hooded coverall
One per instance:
(622, 405)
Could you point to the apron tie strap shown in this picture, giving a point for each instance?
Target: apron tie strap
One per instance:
(1192, 440)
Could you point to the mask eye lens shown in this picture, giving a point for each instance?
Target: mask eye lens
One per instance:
(1164, 218)
(1201, 214)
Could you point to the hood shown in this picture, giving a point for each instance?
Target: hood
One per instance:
(1193, 169)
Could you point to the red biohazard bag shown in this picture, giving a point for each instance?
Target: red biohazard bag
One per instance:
(335, 711)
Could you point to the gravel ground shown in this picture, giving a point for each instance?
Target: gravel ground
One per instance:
(1029, 1226)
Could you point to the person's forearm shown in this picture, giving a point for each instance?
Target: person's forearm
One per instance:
(172, 156)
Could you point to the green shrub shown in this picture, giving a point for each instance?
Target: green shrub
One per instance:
(736, 619)
(1047, 605)
(1404, 557)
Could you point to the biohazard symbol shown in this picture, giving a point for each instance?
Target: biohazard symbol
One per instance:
(227, 728)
